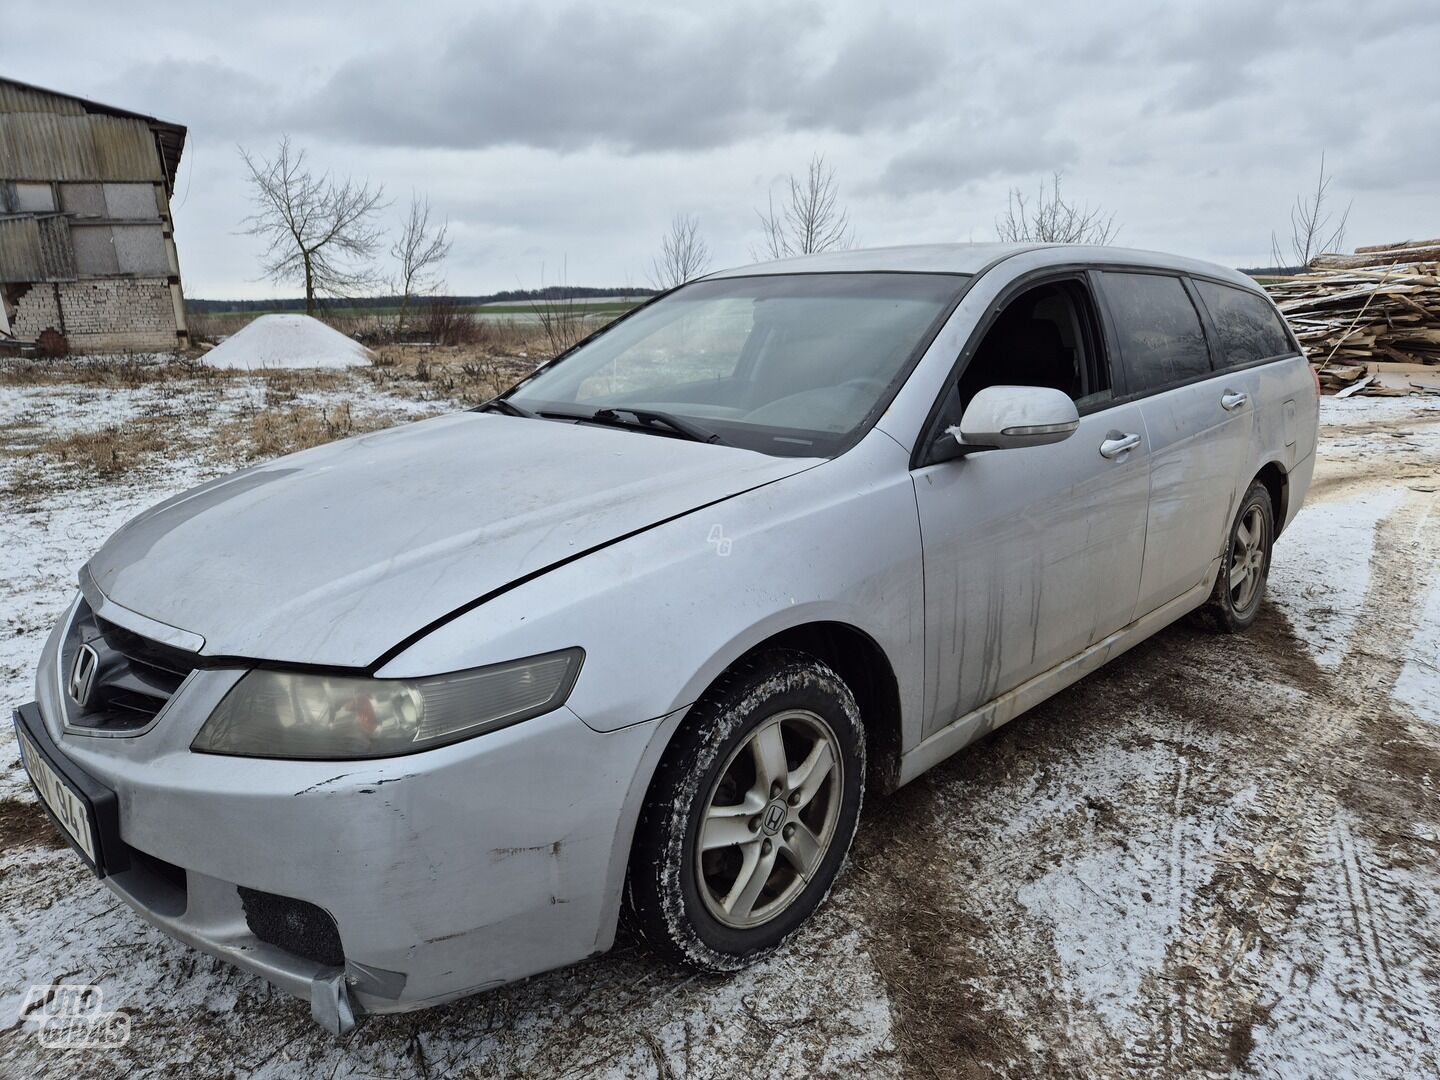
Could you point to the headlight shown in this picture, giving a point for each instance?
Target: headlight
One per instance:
(284, 714)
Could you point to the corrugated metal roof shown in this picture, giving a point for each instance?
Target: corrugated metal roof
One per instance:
(46, 146)
(20, 100)
(21, 97)
(36, 249)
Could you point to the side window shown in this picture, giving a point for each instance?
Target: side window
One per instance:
(1157, 329)
(1248, 327)
(1046, 336)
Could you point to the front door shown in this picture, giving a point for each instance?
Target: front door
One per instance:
(1031, 555)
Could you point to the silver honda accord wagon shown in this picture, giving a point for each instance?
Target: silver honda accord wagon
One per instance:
(404, 717)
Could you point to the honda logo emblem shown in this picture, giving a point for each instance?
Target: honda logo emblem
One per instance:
(82, 674)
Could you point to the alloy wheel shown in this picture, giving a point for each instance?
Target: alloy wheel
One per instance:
(1247, 559)
(769, 819)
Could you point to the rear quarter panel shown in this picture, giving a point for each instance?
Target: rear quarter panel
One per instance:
(1284, 426)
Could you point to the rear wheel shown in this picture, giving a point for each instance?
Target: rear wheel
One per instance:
(1235, 601)
(751, 813)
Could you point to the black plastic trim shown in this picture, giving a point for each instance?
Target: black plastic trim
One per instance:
(113, 855)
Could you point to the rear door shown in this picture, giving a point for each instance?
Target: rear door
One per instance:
(1197, 425)
(1255, 353)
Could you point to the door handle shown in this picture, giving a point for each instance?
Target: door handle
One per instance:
(1118, 444)
(1230, 401)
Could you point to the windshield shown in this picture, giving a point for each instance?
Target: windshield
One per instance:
(785, 364)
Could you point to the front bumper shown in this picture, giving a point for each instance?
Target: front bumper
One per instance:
(445, 872)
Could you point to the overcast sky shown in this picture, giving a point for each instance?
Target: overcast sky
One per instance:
(561, 138)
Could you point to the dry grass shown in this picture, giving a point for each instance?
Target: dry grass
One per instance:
(118, 372)
(105, 453)
(464, 374)
(278, 430)
(179, 398)
(92, 457)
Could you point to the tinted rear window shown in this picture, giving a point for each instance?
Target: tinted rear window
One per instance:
(1248, 327)
(1157, 328)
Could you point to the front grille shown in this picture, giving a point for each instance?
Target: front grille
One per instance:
(297, 926)
(134, 676)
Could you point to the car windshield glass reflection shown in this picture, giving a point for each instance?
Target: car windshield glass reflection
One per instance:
(785, 364)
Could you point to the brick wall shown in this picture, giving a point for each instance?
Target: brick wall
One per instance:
(103, 315)
(35, 311)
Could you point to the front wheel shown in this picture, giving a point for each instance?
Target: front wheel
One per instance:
(1235, 601)
(751, 813)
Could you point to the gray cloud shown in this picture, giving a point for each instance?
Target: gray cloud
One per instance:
(566, 79)
(207, 95)
(565, 136)
(957, 156)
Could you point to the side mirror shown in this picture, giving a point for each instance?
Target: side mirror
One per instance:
(1003, 417)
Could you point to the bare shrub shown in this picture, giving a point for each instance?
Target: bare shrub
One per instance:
(445, 322)
(1053, 219)
(214, 325)
(418, 252)
(809, 220)
(1313, 225)
(684, 255)
(563, 322)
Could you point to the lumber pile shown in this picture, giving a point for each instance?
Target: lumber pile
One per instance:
(1370, 322)
(1407, 251)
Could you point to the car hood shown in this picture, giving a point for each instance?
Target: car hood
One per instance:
(334, 555)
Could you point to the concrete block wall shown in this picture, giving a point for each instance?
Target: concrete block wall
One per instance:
(108, 314)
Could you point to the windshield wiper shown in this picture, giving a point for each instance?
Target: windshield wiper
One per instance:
(678, 424)
(614, 416)
(509, 408)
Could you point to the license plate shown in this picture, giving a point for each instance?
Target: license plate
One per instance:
(70, 810)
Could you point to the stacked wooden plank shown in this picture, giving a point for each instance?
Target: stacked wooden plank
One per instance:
(1370, 322)
(1406, 251)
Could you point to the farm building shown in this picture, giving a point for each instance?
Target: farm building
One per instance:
(87, 247)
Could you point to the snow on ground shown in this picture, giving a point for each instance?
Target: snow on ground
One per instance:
(1214, 857)
(1322, 604)
(287, 341)
(1419, 683)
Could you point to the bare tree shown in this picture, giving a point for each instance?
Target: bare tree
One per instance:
(418, 253)
(684, 255)
(320, 230)
(1310, 225)
(1052, 219)
(809, 219)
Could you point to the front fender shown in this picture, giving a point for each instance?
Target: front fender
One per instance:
(661, 614)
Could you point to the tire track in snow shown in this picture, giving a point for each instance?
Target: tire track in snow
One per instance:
(1228, 935)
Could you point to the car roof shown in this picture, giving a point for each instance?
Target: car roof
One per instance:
(973, 258)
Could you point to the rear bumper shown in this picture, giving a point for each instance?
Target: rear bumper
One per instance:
(446, 872)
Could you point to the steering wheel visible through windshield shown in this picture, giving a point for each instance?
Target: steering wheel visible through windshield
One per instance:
(789, 364)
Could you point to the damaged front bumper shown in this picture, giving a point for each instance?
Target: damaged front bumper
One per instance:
(401, 883)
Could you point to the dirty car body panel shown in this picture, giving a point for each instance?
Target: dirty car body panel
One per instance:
(650, 563)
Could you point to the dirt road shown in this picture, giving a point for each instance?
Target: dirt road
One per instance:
(1215, 857)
